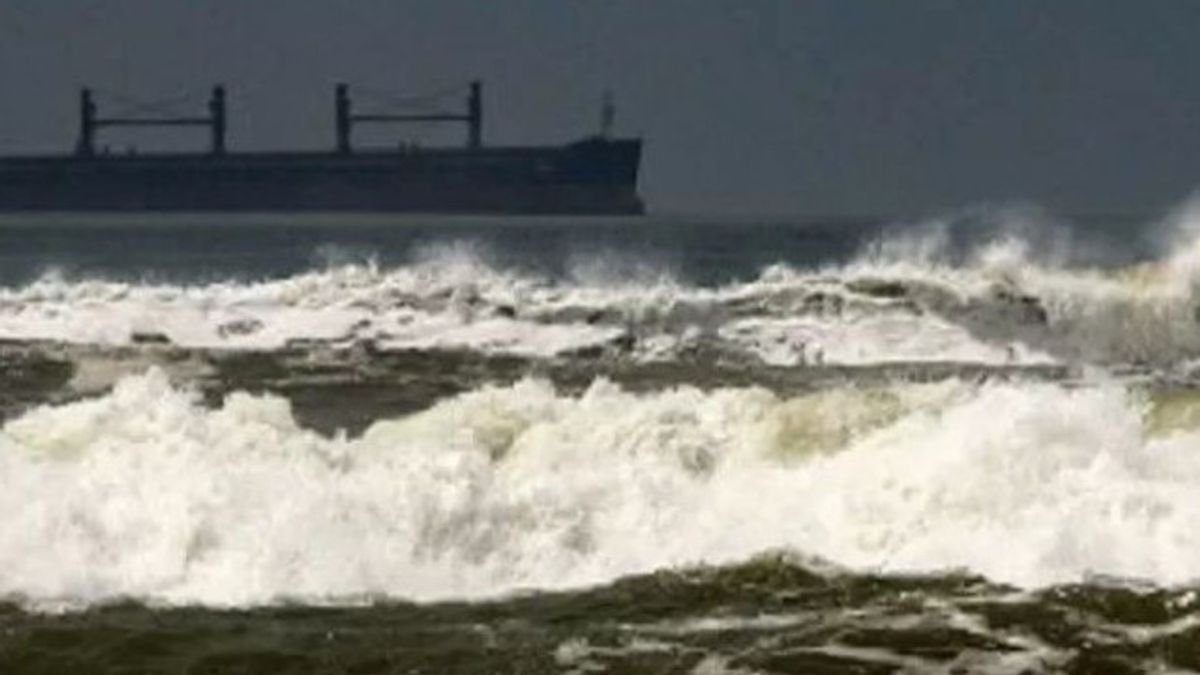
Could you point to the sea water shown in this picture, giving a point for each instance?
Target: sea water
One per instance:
(321, 443)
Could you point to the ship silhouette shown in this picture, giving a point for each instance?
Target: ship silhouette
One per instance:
(594, 175)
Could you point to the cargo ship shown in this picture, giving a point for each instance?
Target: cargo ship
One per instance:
(595, 175)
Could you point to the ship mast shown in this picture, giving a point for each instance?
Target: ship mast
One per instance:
(608, 113)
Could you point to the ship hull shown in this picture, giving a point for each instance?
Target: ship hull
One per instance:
(595, 176)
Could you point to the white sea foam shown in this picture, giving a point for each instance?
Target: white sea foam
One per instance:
(145, 493)
(916, 296)
(896, 303)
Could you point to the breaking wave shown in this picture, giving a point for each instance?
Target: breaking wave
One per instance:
(919, 295)
(145, 493)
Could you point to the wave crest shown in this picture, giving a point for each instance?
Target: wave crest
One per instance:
(145, 493)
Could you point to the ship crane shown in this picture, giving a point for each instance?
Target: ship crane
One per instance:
(90, 123)
(347, 118)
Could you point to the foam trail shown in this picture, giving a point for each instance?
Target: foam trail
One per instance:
(144, 493)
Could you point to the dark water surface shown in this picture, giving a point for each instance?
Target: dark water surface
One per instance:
(205, 247)
(702, 250)
(771, 615)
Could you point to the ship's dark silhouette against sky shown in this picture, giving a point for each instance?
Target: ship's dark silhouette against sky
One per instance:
(593, 175)
(818, 107)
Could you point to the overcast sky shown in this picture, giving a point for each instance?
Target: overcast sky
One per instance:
(788, 106)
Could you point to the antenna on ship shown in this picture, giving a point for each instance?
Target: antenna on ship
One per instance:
(346, 118)
(608, 113)
(90, 123)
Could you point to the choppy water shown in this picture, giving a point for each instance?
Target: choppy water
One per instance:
(647, 445)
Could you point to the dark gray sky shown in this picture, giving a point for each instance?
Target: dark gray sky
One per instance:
(809, 106)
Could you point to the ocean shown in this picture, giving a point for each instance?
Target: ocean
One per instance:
(672, 444)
